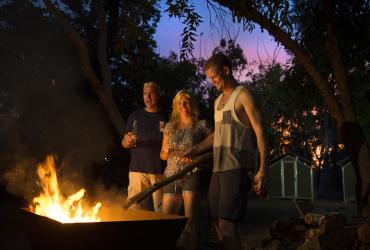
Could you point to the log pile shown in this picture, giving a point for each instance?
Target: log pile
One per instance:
(327, 231)
(363, 237)
(286, 234)
(317, 231)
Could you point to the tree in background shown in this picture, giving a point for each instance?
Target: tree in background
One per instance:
(115, 45)
(114, 40)
(44, 74)
(333, 57)
(50, 111)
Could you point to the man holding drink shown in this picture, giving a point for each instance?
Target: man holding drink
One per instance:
(143, 137)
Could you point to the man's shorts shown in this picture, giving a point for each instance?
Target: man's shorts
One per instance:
(139, 182)
(190, 182)
(228, 194)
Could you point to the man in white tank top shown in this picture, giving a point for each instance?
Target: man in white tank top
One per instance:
(238, 134)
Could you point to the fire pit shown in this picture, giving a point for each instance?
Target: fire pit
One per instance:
(129, 229)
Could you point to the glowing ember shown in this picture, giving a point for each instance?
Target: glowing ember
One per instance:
(51, 202)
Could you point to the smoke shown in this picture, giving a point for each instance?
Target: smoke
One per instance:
(69, 126)
(112, 201)
(19, 180)
(50, 108)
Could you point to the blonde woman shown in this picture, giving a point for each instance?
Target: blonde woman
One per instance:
(182, 132)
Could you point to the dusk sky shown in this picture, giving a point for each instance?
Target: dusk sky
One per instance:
(169, 30)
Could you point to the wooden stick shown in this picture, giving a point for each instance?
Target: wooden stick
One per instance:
(299, 210)
(188, 168)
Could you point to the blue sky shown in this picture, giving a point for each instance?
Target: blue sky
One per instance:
(256, 43)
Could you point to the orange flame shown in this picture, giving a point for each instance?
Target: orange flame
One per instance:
(51, 202)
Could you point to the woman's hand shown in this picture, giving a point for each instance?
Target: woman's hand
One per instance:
(166, 148)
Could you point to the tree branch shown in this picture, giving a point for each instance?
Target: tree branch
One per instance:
(102, 47)
(78, 40)
(246, 10)
(103, 92)
(332, 49)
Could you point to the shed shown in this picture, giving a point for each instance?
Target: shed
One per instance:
(291, 177)
(348, 180)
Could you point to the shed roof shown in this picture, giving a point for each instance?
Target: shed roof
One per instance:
(290, 154)
(344, 162)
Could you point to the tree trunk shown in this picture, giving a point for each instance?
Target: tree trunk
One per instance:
(354, 139)
(112, 112)
(100, 86)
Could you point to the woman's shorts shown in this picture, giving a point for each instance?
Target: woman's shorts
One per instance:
(190, 182)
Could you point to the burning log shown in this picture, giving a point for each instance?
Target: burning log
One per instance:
(196, 163)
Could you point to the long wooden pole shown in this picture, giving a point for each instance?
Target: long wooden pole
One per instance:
(196, 163)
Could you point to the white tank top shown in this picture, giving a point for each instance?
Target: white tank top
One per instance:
(234, 144)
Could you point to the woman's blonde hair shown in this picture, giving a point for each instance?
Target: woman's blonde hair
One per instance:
(175, 115)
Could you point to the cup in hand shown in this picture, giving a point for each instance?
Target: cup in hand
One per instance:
(161, 125)
(134, 133)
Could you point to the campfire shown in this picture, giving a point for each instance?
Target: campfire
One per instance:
(54, 221)
(53, 204)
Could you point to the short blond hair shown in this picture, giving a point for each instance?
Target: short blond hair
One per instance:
(153, 85)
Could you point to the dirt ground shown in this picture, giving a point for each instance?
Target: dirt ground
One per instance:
(260, 215)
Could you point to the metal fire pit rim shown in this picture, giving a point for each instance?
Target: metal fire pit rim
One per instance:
(28, 212)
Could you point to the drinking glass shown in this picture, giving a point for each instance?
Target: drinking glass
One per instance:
(134, 132)
(161, 125)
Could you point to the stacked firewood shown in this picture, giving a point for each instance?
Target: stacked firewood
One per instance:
(327, 231)
(286, 234)
(317, 231)
(363, 237)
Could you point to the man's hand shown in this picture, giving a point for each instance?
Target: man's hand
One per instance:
(259, 184)
(128, 140)
(190, 153)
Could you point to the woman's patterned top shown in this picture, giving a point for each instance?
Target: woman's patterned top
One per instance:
(181, 140)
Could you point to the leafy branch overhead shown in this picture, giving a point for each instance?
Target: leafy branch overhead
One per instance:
(333, 80)
(331, 70)
(191, 20)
